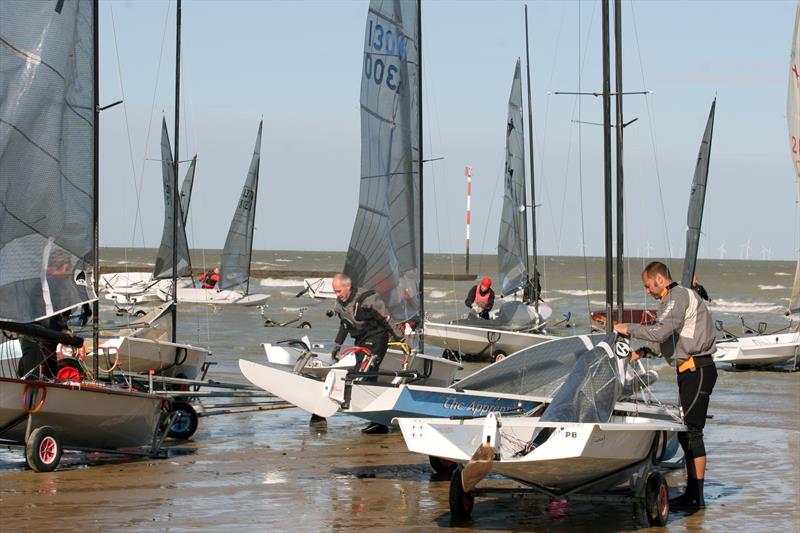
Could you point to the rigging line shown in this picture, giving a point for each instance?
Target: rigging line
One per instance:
(580, 154)
(137, 217)
(651, 127)
(149, 125)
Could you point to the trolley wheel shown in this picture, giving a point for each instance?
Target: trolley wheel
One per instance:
(43, 449)
(656, 499)
(140, 313)
(499, 356)
(449, 354)
(461, 502)
(305, 325)
(185, 424)
(442, 466)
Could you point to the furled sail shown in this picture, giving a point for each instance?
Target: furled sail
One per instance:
(163, 267)
(793, 119)
(47, 190)
(697, 198)
(512, 249)
(235, 268)
(384, 249)
(186, 189)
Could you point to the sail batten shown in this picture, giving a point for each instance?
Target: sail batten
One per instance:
(235, 267)
(47, 157)
(163, 266)
(793, 121)
(697, 198)
(384, 252)
(512, 252)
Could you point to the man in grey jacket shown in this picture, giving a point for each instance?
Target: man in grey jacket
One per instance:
(684, 335)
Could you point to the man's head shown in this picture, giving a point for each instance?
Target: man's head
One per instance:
(216, 270)
(342, 286)
(486, 283)
(656, 278)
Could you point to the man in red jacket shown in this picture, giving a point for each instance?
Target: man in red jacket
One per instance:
(210, 278)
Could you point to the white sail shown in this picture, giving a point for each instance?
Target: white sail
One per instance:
(793, 119)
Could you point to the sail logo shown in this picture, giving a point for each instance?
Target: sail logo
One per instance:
(476, 408)
(381, 45)
(246, 200)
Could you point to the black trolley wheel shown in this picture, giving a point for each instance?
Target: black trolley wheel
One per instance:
(498, 356)
(43, 449)
(461, 502)
(185, 424)
(656, 499)
(305, 325)
(442, 466)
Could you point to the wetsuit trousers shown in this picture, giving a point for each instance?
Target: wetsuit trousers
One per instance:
(377, 343)
(694, 390)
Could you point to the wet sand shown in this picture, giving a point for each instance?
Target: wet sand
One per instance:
(272, 470)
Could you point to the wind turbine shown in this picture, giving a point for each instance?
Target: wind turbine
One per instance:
(722, 250)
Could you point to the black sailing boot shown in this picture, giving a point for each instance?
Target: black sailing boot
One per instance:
(685, 500)
(700, 502)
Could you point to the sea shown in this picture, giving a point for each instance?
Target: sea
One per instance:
(275, 471)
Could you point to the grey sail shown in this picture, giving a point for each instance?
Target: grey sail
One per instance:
(512, 249)
(793, 122)
(163, 267)
(697, 200)
(384, 250)
(235, 268)
(186, 189)
(47, 189)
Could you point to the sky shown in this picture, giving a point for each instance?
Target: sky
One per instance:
(297, 66)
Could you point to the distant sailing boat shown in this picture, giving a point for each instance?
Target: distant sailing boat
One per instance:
(234, 284)
(127, 289)
(495, 337)
(781, 348)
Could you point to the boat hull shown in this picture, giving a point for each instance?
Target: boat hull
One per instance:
(195, 295)
(574, 455)
(760, 350)
(475, 341)
(84, 416)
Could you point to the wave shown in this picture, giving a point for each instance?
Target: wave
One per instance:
(276, 282)
(437, 294)
(578, 292)
(735, 306)
(284, 260)
(783, 274)
(772, 287)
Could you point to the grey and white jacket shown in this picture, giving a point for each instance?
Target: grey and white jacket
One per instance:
(683, 327)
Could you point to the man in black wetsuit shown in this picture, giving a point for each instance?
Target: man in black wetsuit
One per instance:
(363, 316)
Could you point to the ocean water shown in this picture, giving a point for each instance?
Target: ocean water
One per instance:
(259, 471)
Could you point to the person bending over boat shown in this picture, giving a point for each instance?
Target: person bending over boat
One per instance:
(363, 316)
(684, 335)
(210, 278)
(480, 298)
(39, 358)
(701, 291)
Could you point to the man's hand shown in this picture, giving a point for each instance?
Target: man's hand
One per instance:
(622, 329)
(635, 356)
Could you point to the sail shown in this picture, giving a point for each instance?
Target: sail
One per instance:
(512, 249)
(163, 267)
(697, 198)
(235, 268)
(47, 128)
(384, 249)
(793, 119)
(186, 190)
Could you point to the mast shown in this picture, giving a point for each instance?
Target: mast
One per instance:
(96, 172)
(421, 196)
(251, 229)
(620, 189)
(607, 167)
(175, 198)
(532, 276)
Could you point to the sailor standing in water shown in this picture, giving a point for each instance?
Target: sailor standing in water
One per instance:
(684, 335)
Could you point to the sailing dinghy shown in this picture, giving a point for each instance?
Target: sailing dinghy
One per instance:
(48, 165)
(234, 283)
(514, 327)
(777, 348)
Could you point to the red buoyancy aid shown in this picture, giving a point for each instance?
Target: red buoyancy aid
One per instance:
(209, 279)
(482, 299)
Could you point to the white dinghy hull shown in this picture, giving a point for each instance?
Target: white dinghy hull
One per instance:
(760, 350)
